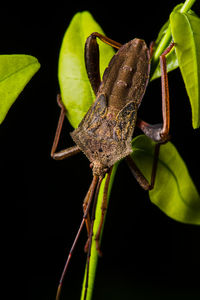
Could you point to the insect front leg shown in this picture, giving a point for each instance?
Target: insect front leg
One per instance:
(160, 132)
(66, 152)
(93, 191)
(87, 219)
(92, 57)
(91, 234)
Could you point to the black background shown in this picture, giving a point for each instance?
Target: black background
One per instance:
(146, 254)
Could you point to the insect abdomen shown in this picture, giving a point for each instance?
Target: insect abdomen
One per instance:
(127, 75)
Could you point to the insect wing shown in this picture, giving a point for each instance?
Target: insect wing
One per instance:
(95, 115)
(125, 123)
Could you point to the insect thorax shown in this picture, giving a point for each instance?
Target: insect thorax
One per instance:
(106, 141)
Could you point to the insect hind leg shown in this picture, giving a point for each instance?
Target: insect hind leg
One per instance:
(92, 57)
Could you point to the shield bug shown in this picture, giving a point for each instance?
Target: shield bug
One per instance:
(105, 133)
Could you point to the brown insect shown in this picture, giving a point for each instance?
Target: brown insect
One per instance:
(105, 133)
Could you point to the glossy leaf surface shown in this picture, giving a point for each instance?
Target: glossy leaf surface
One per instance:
(76, 91)
(172, 62)
(174, 191)
(15, 73)
(186, 34)
(163, 40)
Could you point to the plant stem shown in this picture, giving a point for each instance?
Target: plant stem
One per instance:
(187, 5)
(94, 254)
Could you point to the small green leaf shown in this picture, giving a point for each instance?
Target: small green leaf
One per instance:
(161, 33)
(15, 73)
(171, 59)
(75, 87)
(186, 35)
(174, 191)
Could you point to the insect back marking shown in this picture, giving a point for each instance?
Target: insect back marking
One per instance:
(125, 122)
(96, 114)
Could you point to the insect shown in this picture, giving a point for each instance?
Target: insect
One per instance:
(104, 135)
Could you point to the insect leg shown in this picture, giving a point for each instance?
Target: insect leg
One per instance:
(151, 48)
(165, 93)
(88, 222)
(92, 58)
(93, 187)
(91, 234)
(138, 174)
(66, 152)
(160, 132)
(107, 40)
(103, 211)
(157, 132)
(87, 219)
(92, 62)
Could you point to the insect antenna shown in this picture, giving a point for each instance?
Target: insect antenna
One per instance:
(91, 234)
(92, 188)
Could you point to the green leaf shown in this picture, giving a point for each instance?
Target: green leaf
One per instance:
(76, 91)
(186, 34)
(174, 191)
(94, 254)
(15, 73)
(171, 59)
(161, 43)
